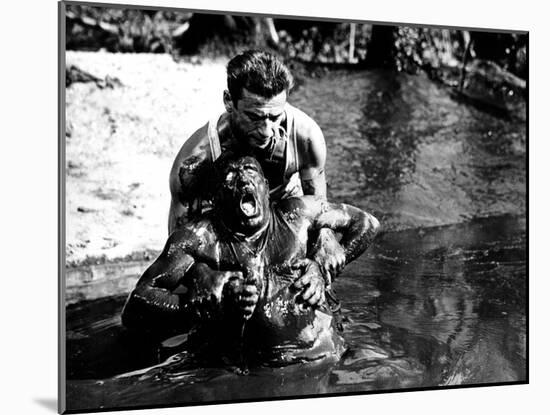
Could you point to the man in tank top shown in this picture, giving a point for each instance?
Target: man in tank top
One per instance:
(257, 121)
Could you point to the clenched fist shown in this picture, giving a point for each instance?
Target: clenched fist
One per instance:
(241, 296)
(206, 287)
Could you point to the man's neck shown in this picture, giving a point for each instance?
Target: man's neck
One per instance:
(252, 235)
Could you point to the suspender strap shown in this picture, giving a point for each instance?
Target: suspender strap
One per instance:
(295, 144)
(214, 139)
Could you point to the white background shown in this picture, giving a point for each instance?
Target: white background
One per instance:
(28, 127)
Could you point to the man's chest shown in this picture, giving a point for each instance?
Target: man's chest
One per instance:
(282, 244)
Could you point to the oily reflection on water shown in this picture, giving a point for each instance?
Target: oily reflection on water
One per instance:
(447, 307)
(424, 308)
(403, 148)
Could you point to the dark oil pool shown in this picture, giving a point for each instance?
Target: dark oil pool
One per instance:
(425, 307)
(439, 299)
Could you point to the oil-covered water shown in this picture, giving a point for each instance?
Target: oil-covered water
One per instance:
(425, 307)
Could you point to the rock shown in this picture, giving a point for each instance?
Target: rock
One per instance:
(83, 209)
(74, 74)
(487, 84)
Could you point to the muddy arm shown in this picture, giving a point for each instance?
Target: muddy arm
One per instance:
(188, 179)
(358, 233)
(176, 213)
(357, 227)
(190, 185)
(153, 305)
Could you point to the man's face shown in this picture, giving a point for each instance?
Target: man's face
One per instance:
(245, 195)
(255, 119)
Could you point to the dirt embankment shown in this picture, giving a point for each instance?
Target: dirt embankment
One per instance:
(120, 144)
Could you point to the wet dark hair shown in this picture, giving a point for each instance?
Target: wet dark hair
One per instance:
(260, 73)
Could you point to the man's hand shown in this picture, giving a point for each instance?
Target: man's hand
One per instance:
(206, 282)
(311, 281)
(329, 254)
(205, 289)
(241, 296)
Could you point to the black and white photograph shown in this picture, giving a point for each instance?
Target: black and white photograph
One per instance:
(263, 207)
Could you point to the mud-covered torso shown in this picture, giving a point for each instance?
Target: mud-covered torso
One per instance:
(281, 329)
(284, 329)
(285, 240)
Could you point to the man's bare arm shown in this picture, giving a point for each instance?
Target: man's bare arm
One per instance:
(184, 177)
(176, 213)
(327, 251)
(358, 228)
(313, 155)
(154, 301)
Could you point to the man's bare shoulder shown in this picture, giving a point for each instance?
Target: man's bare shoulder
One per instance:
(193, 237)
(305, 207)
(310, 140)
(305, 125)
(197, 146)
(194, 145)
(193, 152)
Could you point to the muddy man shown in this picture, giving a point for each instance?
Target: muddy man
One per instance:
(244, 269)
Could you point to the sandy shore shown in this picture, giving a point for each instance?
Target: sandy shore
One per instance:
(121, 144)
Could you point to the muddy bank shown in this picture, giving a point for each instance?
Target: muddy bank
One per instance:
(398, 145)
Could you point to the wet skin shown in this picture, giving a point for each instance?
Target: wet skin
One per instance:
(246, 260)
(249, 126)
(254, 125)
(255, 119)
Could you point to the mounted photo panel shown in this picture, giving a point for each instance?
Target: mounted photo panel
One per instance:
(261, 207)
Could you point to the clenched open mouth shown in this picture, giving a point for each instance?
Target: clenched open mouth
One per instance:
(248, 204)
